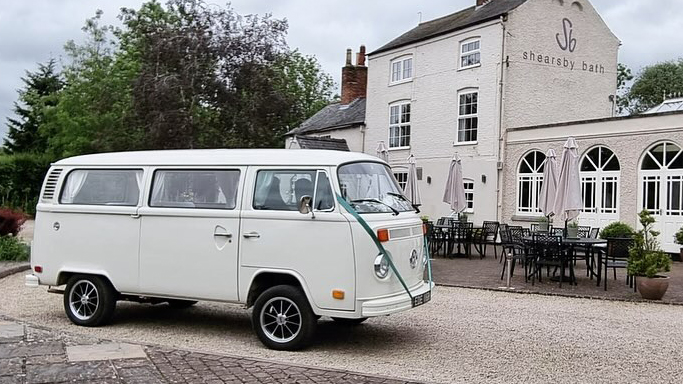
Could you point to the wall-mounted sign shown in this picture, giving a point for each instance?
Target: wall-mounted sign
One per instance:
(568, 43)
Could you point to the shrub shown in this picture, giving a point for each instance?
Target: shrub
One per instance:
(12, 249)
(21, 176)
(645, 257)
(617, 229)
(678, 237)
(11, 221)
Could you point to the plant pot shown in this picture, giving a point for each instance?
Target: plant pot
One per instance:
(653, 288)
(543, 226)
(572, 232)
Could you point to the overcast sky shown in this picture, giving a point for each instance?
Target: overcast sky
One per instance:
(32, 31)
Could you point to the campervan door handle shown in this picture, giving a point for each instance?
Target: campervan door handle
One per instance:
(250, 235)
(228, 235)
(135, 216)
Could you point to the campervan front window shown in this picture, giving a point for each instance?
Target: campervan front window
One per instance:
(102, 187)
(372, 188)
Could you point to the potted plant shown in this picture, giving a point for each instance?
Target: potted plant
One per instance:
(462, 217)
(572, 229)
(646, 260)
(616, 229)
(678, 239)
(425, 219)
(543, 224)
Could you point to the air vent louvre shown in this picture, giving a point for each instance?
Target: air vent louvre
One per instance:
(51, 184)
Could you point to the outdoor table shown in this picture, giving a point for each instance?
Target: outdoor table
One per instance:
(453, 238)
(589, 243)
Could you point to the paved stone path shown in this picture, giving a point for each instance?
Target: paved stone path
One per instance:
(31, 355)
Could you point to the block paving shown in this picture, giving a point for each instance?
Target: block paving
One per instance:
(31, 355)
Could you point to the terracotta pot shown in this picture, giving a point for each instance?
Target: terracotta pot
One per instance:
(653, 288)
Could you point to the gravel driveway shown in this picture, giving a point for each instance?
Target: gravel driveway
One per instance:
(461, 336)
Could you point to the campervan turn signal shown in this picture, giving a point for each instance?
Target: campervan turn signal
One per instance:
(383, 235)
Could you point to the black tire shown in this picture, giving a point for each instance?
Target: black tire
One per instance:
(349, 322)
(89, 300)
(181, 304)
(274, 310)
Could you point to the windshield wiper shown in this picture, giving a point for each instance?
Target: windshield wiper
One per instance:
(415, 207)
(394, 210)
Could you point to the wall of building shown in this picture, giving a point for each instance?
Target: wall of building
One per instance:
(629, 139)
(353, 137)
(433, 94)
(545, 84)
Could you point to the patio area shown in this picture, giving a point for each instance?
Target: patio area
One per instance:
(485, 274)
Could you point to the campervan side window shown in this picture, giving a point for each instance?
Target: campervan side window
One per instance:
(203, 189)
(102, 187)
(281, 190)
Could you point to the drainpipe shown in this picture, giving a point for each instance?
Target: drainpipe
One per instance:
(363, 128)
(501, 134)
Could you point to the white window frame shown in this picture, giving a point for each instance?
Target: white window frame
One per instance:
(600, 179)
(401, 176)
(398, 67)
(469, 195)
(399, 124)
(471, 51)
(535, 180)
(464, 117)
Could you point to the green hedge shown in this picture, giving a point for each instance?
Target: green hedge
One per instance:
(12, 249)
(21, 176)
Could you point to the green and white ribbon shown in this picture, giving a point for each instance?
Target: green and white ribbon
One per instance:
(382, 251)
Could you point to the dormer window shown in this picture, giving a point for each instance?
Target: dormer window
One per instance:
(402, 69)
(470, 54)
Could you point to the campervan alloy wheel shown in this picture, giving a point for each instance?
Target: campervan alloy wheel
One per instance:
(89, 300)
(283, 319)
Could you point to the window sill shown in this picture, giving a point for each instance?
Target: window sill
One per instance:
(461, 144)
(469, 67)
(399, 82)
(526, 217)
(399, 148)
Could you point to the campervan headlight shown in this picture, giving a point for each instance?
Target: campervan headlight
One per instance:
(381, 267)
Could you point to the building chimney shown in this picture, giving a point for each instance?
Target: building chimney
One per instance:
(482, 2)
(354, 80)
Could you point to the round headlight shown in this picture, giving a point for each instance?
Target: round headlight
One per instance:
(381, 267)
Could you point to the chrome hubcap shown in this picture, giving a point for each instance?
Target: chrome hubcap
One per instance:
(83, 300)
(280, 319)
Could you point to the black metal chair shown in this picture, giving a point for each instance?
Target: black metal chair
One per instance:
(488, 235)
(616, 256)
(557, 231)
(461, 233)
(594, 233)
(512, 238)
(548, 252)
(534, 227)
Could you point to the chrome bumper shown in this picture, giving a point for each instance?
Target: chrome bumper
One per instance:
(31, 281)
(395, 303)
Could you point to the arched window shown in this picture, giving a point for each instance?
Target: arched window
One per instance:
(661, 190)
(529, 181)
(662, 180)
(600, 171)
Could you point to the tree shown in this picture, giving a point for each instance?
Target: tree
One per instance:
(39, 92)
(624, 75)
(654, 83)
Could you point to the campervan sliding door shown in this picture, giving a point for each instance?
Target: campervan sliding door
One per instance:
(189, 233)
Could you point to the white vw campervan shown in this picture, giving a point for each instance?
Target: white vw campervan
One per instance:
(297, 234)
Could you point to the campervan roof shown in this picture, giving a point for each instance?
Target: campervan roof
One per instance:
(212, 157)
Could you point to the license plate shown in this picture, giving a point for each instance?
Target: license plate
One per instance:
(421, 299)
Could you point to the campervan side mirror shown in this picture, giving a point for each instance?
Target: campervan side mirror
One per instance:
(305, 204)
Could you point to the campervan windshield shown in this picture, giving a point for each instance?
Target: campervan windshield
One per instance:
(372, 188)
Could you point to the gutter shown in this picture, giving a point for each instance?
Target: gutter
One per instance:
(502, 136)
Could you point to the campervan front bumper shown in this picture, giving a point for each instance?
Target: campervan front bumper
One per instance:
(399, 302)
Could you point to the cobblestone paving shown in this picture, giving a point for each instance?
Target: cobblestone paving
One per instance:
(30, 355)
